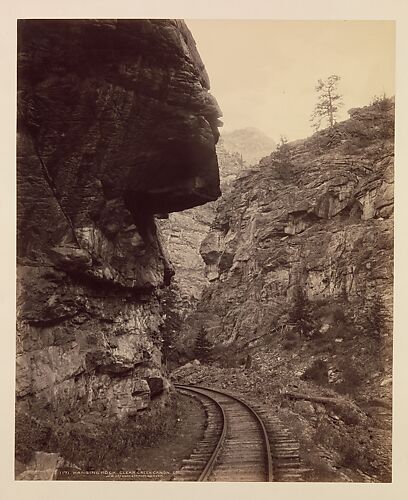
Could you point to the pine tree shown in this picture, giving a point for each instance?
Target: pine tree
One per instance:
(202, 345)
(328, 103)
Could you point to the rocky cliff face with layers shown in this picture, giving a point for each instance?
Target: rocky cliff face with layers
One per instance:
(298, 315)
(304, 246)
(115, 125)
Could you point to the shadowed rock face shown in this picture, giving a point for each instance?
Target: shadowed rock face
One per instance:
(184, 231)
(115, 125)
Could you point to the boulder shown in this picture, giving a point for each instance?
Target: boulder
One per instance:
(156, 385)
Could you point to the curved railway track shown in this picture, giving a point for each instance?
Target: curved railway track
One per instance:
(235, 446)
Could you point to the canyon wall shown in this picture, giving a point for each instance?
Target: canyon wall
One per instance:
(305, 243)
(115, 125)
(183, 233)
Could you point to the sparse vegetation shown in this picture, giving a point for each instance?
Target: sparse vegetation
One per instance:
(376, 323)
(31, 435)
(352, 377)
(290, 341)
(328, 103)
(300, 315)
(382, 102)
(317, 372)
(171, 301)
(369, 124)
(282, 155)
(330, 309)
(202, 345)
(94, 446)
(349, 454)
(281, 159)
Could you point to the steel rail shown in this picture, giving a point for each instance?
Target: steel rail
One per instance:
(211, 461)
(268, 453)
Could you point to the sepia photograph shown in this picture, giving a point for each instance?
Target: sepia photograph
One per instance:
(205, 250)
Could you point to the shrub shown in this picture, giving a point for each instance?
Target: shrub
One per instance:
(352, 377)
(300, 314)
(290, 340)
(332, 309)
(382, 103)
(352, 455)
(30, 435)
(321, 345)
(289, 344)
(376, 321)
(317, 372)
(281, 160)
(202, 345)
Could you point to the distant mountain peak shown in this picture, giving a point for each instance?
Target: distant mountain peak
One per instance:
(250, 142)
(245, 129)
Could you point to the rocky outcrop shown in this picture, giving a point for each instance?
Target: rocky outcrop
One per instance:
(115, 125)
(307, 240)
(298, 313)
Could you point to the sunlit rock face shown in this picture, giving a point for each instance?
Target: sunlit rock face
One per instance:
(115, 125)
(320, 222)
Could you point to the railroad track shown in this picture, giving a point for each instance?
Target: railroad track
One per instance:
(235, 446)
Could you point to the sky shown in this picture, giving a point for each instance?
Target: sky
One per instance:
(263, 73)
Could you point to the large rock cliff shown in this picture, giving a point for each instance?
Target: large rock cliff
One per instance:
(115, 125)
(306, 240)
(298, 315)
